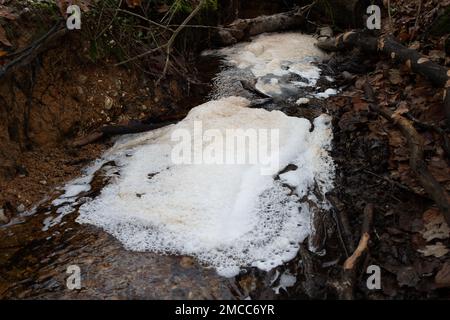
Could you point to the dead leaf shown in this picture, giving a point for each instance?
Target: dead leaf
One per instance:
(439, 169)
(396, 139)
(436, 55)
(133, 3)
(163, 8)
(442, 278)
(395, 77)
(401, 110)
(436, 250)
(435, 226)
(359, 84)
(3, 38)
(407, 276)
(359, 104)
(7, 13)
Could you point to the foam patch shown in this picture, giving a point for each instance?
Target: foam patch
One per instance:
(273, 59)
(228, 216)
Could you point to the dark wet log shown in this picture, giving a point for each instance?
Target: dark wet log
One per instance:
(416, 159)
(114, 130)
(438, 75)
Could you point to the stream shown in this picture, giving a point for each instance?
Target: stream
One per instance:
(169, 214)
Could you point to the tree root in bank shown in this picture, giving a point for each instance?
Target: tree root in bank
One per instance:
(28, 54)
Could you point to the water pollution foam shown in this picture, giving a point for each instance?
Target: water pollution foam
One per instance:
(279, 62)
(228, 216)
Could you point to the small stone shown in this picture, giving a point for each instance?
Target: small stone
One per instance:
(302, 101)
(326, 32)
(3, 217)
(187, 262)
(108, 103)
(82, 78)
(43, 182)
(21, 208)
(80, 92)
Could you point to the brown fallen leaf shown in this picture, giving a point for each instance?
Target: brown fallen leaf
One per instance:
(7, 13)
(439, 169)
(3, 38)
(359, 104)
(435, 226)
(401, 109)
(442, 278)
(395, 77)
(133, 3)
(437, 250)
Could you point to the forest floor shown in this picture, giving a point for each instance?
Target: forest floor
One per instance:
(410, 239)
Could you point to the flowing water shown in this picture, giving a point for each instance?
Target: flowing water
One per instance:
(141, 225)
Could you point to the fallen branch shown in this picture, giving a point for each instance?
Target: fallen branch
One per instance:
(114, 130)
(351, 261)
(416, 160)
(438, 75)
(346, 287)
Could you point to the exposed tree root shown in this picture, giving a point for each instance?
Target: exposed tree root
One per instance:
(28, 54)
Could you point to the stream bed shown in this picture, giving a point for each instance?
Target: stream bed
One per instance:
(169, 215)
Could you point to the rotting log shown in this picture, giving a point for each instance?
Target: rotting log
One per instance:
(438, 75)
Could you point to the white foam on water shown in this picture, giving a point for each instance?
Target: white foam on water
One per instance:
(276, 55)
(326, 94)
(286, 280)
(228, 216)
